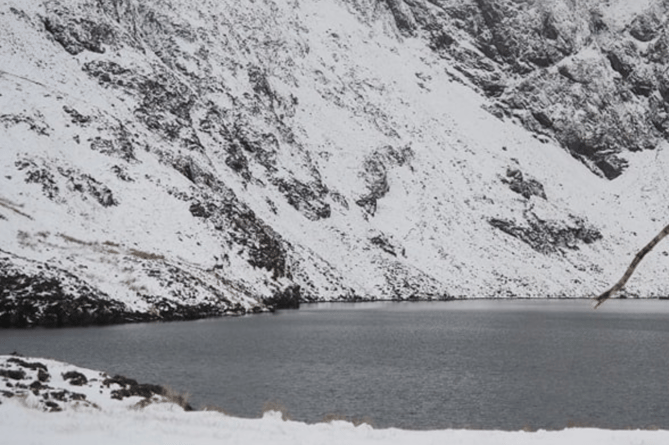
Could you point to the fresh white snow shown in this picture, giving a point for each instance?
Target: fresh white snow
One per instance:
(167, 425)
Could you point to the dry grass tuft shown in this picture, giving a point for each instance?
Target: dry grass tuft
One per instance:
(71, 239)
(178, 398)
(355, 421)
(6, 203)
(146, 255)
(273, 405)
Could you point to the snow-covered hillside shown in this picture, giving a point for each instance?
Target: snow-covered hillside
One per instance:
(168, 160)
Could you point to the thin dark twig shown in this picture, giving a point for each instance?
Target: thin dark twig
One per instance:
(630, 270)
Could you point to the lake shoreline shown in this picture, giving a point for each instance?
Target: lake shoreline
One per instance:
(13, 320)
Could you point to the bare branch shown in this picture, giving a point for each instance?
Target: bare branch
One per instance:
(630, 270)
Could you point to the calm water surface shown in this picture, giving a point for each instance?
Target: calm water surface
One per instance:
(475, 364)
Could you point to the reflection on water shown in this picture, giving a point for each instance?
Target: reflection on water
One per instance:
(478, 363)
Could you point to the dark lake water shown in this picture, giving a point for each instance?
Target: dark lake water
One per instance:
(464, 364)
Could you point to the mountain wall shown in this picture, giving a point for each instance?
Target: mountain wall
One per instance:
(174, 160)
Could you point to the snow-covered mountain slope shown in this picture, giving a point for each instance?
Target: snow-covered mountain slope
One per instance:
(166, 160)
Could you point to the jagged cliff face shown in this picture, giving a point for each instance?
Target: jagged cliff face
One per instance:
(591, 74)
(166, 160)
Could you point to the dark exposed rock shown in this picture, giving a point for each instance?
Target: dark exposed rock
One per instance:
(645, 27)
(259, 83)
(288, 298)
(89, 186)
(37, 175)
(121, 173)
(199, 211)
(170, 310)
(237, 161)
(375, 174)
(77, 118)
(52, 297)
(59, 395)
(527, 43)
(403, 16)
(306, 198)
(548, 236)
(623, 57)
(29, 365)
(525, 187)
(269, 252)
(107, 71)
(37, 386)
(14, 374)
(188, 167)
(53, 406)
(34, 122)
(78, 34)
(75, 378)
(440, 40)
(121, 146)
(130, 388)
(261, 146)
(43, 376)
(263, 246)
(165, 102)
(76, 181)
(384, 244)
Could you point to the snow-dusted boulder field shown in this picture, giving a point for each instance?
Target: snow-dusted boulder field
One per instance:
(176, 159)
(53, 386)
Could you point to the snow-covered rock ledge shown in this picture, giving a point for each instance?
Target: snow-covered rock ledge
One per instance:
(93, 407)
(52, 386)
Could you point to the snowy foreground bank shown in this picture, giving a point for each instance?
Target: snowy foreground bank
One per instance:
(97, 408)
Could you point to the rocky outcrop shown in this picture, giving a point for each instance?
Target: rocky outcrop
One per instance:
(38, 294)
(582, 74)
(289, 298)
(549, 236)
(375, 174)
(54, 386)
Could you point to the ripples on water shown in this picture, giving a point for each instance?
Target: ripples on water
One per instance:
(464, 364)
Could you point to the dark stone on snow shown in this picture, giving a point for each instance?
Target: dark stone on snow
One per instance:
(75, 378)
(547, 236)
(77, 118)
(130, 388)
(36, 386)
(30, 365)
(53, 406)
(525, 187)
(381, 242)
(306, 198)
(43, 376)
(14, 374)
